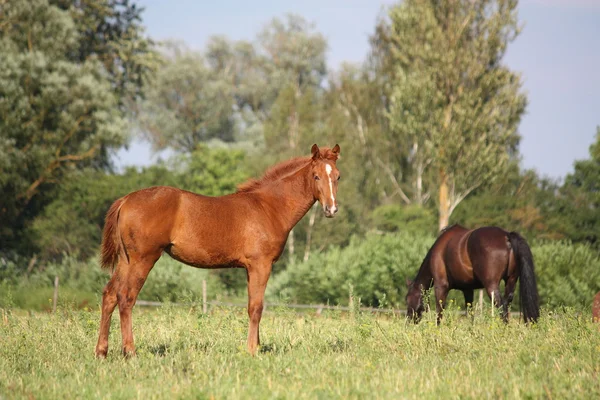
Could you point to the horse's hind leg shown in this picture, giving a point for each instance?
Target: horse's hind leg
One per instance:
(494, 293)
(509, 292)
(109, 301)
(131, 279)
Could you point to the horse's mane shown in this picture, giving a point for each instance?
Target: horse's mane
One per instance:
(283, 169)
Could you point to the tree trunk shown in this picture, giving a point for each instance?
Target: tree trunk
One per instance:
(311, 223)
(444, 206)
(294, 120)
(290, 244)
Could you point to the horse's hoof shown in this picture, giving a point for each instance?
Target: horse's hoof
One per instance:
(128, 353)
(101, 354)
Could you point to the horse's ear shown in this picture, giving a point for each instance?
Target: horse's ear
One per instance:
(336, 149)
(408, 282)
(315, 151)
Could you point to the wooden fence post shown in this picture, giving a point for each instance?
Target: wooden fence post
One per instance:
(55, 297)
(204, 305)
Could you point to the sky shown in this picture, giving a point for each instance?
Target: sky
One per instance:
(557, 53)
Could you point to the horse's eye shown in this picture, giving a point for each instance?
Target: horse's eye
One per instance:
(317, 178)
(339, 177)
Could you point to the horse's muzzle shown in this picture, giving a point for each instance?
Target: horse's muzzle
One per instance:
(330, 211)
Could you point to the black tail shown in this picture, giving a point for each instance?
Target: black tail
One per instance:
(528, 293)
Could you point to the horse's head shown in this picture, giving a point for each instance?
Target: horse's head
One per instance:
(414, 301)
(325, 177)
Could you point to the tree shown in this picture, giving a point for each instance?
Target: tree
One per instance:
(451, 97)
(517, 201)
(59, 110)
(581, 192)
(187, 104)
(111, 31)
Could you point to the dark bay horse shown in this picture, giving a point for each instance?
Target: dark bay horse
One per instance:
(466, 259)
(247, 229)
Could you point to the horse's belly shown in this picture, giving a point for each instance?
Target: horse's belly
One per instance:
(200, 257)
(461, 271)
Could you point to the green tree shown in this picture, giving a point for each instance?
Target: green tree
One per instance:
(581, 194)
(187, 103)
(112, 32)
(517, 201)
(213, 171)
(451, 97)
(60, 106)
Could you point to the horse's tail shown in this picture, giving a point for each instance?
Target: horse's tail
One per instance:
(111, 238)
(528, 286)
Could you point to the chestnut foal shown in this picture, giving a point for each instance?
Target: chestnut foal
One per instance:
(247, 229)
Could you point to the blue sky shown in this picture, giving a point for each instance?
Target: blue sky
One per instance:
(558, 54)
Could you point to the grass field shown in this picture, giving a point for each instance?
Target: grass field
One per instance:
(185, 354)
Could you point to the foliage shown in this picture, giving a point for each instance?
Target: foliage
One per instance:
(451, 97)
(59, 108)
(332, 356)
(412, 219)
(518, 201)
(186, 104)
(213, 171)
(581, 195)
(567, 274)
(112, 32)
(81, 284)
(376, 268)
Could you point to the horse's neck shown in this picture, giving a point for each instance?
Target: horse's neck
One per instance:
(290, 198)
(424, 278)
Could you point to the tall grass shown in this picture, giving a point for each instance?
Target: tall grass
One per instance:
(185, 354)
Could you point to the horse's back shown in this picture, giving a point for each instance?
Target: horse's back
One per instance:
(471, 256)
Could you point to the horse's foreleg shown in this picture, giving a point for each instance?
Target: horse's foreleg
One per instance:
(130, 284)
(468, 293)
(109, 301)
(258, 275)
(509, 292)
(441, 292)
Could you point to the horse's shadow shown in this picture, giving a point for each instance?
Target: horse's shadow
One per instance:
(159, 350)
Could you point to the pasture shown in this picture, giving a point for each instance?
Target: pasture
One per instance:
(183, 353)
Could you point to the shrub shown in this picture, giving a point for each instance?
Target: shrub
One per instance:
(81, 284)
(376, 267)
(567, 274)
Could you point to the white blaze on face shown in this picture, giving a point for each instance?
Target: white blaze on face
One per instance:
(328, 169)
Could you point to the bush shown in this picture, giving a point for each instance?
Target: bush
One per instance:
(376, 267)
(81, 284)
(567, 274)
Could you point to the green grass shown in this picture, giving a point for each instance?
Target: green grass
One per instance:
(184, 354)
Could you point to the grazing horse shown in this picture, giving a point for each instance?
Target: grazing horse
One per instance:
(473, 259)
(247, 229)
